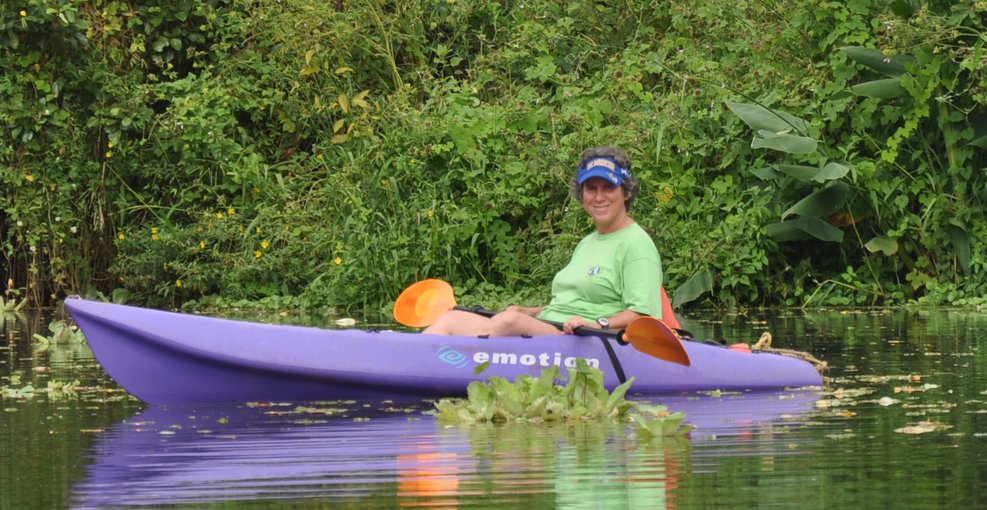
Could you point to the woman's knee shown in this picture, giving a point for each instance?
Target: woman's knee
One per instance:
(457, 322)
(515, 323)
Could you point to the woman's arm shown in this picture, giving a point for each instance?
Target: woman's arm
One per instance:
(617, 322)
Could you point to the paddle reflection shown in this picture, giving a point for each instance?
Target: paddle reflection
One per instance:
(388, 455)
(433, 476)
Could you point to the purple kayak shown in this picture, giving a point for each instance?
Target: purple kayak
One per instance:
(168, 358)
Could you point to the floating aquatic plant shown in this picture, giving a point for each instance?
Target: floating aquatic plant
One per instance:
(540, 399)
(656, 422)
(11, 305)
(61, 332)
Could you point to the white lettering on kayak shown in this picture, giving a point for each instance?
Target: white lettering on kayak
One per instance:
(543, 360)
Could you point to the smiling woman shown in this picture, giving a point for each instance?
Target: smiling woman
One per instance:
(613, 277)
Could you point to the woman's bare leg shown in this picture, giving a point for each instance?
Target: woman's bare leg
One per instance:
(510, 323)
(457, 322)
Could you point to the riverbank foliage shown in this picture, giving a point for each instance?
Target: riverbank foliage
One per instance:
(331, 153)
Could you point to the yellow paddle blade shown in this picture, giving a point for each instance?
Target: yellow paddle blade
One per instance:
(652, 336)
(423, 302)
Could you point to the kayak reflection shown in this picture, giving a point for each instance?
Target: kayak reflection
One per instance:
(386, 455)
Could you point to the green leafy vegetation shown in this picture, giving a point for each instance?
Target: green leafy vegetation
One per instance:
(54, 390)
(11, 305)
(61, 332)
(540, 399)
(319, 153)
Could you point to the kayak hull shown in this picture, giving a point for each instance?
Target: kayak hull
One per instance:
(167, 358)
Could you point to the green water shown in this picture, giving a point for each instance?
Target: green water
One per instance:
(901, 424)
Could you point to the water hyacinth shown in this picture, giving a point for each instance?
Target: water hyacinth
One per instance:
(538, 400)
(61, 332)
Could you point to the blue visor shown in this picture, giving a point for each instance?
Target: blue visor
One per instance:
(606, 168)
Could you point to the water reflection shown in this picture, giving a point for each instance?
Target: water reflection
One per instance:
(389, 455)
(890, 371)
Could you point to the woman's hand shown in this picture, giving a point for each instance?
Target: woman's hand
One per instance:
(570, 326)
(617, 322)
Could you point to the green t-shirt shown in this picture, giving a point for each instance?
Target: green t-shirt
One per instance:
(608, 273)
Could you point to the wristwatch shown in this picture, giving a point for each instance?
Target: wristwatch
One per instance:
(603, 322)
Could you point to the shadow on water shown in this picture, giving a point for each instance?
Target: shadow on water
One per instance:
(389, 455)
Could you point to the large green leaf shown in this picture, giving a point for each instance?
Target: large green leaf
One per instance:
(787, 231)
(905, 8)
(880, 89)
(784, 142)
(799, 172)
(875, 59)
(961, 246)
(979, 123)
(760, 118)
(831, 172)
(820, 229)
(885, 245)
(803, 173)
(804, 228)
(766, 173)
(695, 286)
(820, 203)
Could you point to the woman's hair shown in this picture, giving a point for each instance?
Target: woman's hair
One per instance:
(630, 184)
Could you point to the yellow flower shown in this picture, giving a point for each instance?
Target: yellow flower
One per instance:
(256, 190)
(154, 230)
(109, 154)
(178, 283)
(338, 260)
(199, 229)
(665, 195)
(29, 177)
(202, 244)
(219, 216)
(264, 244)
(23, 13)
(109, 145)
(154, 237)
(121, 237)
(259, 230)
(258, 254)
(431, 212)
(231, 211)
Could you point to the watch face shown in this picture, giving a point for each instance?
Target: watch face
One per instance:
(602, 321)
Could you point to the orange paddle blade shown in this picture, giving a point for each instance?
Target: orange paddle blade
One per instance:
(651, 336)
(423, 302)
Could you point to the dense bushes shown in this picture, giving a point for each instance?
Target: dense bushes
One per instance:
(334, 152)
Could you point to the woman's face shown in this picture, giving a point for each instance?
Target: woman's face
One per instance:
(604, 202)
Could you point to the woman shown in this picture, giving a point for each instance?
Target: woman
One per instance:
(614, 275)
